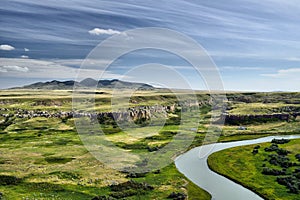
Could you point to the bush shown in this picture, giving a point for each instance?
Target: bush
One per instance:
(131, 185)
(273, 147)
(280, 141)
(280, 161)
(279, 151)
(177, 196)
(274, 172)
(103, 198)
(291, 182)
(298, 157)
(126, 193)
(255, 151)
(135, 175)
(9, 180)
(129, 188)
(282, 152)
(58, 160)
(151, 149)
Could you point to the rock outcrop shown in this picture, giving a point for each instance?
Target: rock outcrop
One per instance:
(247, 119)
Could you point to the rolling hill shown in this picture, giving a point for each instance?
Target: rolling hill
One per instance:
(86, 83)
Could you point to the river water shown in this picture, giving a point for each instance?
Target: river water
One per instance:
(193, 164)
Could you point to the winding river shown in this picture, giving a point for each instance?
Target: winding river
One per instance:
(193, 164)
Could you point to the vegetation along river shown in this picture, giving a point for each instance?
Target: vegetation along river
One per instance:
(193, 164)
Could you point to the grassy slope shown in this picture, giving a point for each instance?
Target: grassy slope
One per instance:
(240, 165)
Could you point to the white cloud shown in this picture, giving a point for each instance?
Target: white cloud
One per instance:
(24, 56)
(285, 73)
(26, 50)
(13, 68)
(240, 68)
(49, 69)
(6, 47)
(99, 31)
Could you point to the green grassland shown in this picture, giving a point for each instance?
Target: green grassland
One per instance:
(244, 167)
(44, 158)
(48, 157)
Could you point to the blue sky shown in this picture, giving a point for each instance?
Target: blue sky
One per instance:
(254, 43)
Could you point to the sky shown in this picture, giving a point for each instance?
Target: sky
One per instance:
(254, 44)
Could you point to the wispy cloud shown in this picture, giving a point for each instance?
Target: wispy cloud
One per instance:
(6, 47)
(13, 68)
(99, 31)
(251, 33)
(285, 73)
(48, 69)
(241, 68)
(24, 56)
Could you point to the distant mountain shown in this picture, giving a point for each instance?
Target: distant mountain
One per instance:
(86, 83)
(89, 82)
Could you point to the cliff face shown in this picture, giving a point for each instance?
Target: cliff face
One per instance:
(134, 114)
(247, 119)
(138, 113)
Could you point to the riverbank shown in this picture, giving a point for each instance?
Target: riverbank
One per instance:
(246, 169)
(219, 187)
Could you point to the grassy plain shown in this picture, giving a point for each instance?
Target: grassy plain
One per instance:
(44, 158)
(242, 166)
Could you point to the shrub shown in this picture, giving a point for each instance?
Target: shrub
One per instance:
(279, 151)
(58, 160)
(298, 157)
(135, 175)
(131, 185)
(177, 196)
(274, 172)
(151, 149)
(9, 180)
(282, 152)
(255, 151)
(291, 182)
(129, 188)
(280, 141)
(273, 147)
(280, 161)
(103, 198)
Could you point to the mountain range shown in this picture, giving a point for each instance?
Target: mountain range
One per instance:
(87, 83)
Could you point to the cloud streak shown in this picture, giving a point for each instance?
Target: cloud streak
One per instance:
(285, 73)
(24, 56)
(238, 35)
(6, 47)
(241, 68)
(99, 31)
(48, 69)
(13, 68)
